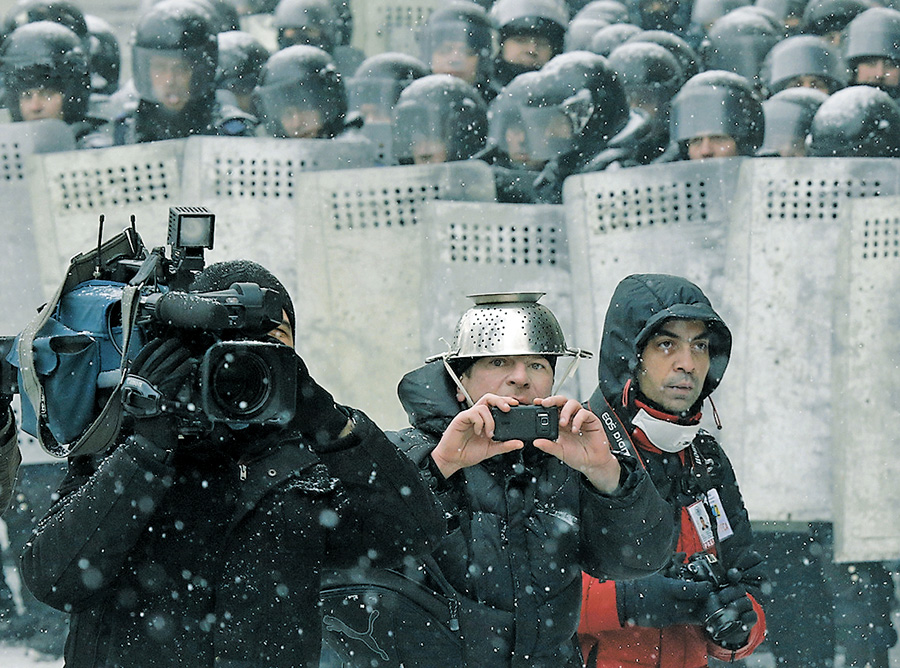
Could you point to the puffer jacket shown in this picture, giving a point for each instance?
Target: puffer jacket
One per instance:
(527, 525)
(10, 459)
(200, 559)
(639, 304)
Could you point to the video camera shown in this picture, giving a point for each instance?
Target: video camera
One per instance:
(119, 296)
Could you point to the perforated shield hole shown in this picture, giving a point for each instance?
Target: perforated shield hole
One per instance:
(385, 206)
(256, 178)
(89, 189)
(504, 244)
(881, 238)
(654, 204)
(12, 163)
(814, 199)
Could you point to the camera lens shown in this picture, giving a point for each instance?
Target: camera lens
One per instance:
(240, 383)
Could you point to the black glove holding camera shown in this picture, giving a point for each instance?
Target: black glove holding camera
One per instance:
(165, 364)
(658, 601)
(731, 617)
(316, 416)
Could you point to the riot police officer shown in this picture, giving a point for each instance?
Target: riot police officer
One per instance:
(803, 61)
(46, 74)
(300, 95)
(872, 49)
(715, 114)
(174, 60)
(858, 121)
(241, 58)
(438, 118)
(530, 33)
(788, 116)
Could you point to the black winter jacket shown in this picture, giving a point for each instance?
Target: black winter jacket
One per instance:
(198, 559)
(528, 525)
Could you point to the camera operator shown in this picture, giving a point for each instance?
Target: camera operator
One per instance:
(176, 549)
(662, 353)
(532, 511)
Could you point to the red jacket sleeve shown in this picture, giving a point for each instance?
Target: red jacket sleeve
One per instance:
(598, 606)
(757, 635)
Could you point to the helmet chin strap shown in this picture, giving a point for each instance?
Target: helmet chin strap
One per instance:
(458, 382)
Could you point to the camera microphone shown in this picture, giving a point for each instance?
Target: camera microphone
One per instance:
(187, 311)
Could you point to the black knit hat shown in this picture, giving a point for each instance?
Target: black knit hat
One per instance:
(221, 276)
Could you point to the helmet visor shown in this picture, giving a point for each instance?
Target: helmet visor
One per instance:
(171, 77)
(548, 132)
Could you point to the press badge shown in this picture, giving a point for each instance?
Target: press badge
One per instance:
(700, 519)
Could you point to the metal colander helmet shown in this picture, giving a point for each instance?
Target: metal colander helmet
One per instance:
(511, 323)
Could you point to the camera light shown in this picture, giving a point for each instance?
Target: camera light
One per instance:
(191, 227)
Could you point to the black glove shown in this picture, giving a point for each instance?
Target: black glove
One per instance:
(165, 364)
(316, 416)
(731, 617)
(749, 571)
(658, 601)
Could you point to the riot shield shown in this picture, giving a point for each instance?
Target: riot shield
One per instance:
(781, 285)
(20, 294)
(390, 25)
(866, 383)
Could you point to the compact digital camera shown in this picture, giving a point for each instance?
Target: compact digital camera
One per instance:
(526, 423)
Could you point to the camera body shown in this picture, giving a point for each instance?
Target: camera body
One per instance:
(720, 621)
(526, 423)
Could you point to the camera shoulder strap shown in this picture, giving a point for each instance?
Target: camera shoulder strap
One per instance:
(619, 439)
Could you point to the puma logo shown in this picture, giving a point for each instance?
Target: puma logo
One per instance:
(367, 639)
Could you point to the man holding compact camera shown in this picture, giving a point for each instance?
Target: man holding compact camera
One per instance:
(189, 547)
(663, 352)
(529, 512)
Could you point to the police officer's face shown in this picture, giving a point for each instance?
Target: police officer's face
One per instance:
(711, 146)
(456, 58)
(39, 103)
(429, 152)
(878, 72)
(674, 364)
(302, 123)
(528, 50)
(810, 81)
(524, 377)
(170, 77)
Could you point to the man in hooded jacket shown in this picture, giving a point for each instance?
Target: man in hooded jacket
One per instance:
(663, 351)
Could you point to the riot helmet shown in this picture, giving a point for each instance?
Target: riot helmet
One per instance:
(677, 46)
(45, 56)
(56, 11)
(548, 18)
(580, 33)
(611, 11)
(300, 94)
(458, 39)
(605, 40)
(312, 22)
(574, 103)
(378, 81)
(858, 121)
(506, 325)
(738, 42)
(717, 103)
(174, 55)
(525, 145)
(438, 118)
(241, 58)
(803, 60)
(706, 12)
(828, 18)
(651, 76)
(788, 116)
(789, 12)
(105, 55)
(872, 49)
